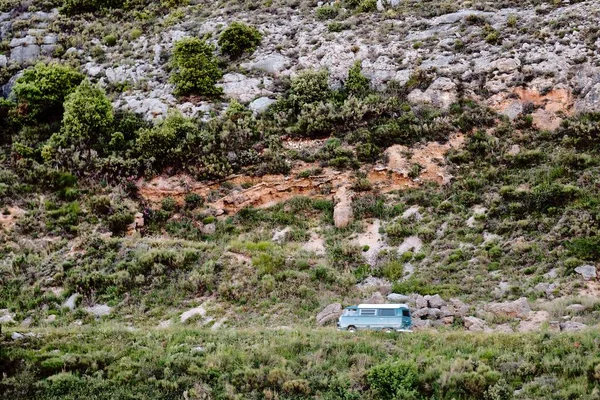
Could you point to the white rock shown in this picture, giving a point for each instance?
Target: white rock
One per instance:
(6, 317)
(242, 88)
(99, 310)
(273, 64)
(588, 272)
(71, 302)
(474, 324)
(342, 212)
(397, 298)
(412, 212)
(517, 309)
(260, 105)
(200, 310)
(411, 243)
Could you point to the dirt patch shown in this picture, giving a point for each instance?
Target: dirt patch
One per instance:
(551, 106)
(592, 289)
(430, 157)
(269, 190)
(315, 244)
(374, 239)
(9, 217)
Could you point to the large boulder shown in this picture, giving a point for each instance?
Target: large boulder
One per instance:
(474, 324)
(342, 212)
(71, 302)
(260, 105)
(397, 298)
(329, 313)
(421, 302)
(245, 89)
(459, 307)
(587, 272)
(435, 301)
(535, 322)
(516, 309)
(6, 317)
(572, 326)
(273, 64)
(376, 298)
(99, 310)
(441, 93)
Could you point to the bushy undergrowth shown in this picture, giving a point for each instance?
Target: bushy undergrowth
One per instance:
(105, 363)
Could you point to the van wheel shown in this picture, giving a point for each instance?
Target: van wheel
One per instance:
(351, 329)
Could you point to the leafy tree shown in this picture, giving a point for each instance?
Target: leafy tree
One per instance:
(196, 68)
(86, 122)
(239, 38)
(41, 91)
(88, 115)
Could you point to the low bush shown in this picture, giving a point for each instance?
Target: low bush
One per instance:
(326, 12)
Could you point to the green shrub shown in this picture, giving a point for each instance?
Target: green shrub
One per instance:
(310, 87)
(327, 12)
(41, 91)
(238, 39)
(585, 248)
(396, 380)
(169, 204)
(170, 4)
(196, 70)
(367, 6)
(357, 83)
(110, 40)
(393, 270)
(582, 131)
(161, 143)
(72, 7)
(135, 34)
(336, 26)
(193, 200)
(120, 221)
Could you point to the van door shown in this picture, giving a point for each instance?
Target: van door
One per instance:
(388, 318)
(406, 319)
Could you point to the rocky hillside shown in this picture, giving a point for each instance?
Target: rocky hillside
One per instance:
(179, 166)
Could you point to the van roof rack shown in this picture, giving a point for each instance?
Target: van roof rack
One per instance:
(382, 306)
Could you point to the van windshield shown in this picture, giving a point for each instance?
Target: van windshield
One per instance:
(350, 312)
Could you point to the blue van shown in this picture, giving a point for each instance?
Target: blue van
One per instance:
(380, 317)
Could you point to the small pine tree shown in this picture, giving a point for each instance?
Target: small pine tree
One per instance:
(196, 68)
(357, 83)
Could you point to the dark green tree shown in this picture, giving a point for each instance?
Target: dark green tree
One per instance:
(238, 39)
(41, 91)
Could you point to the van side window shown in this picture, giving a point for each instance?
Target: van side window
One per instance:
(387, 312)
(365, 311)
(405, 313)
